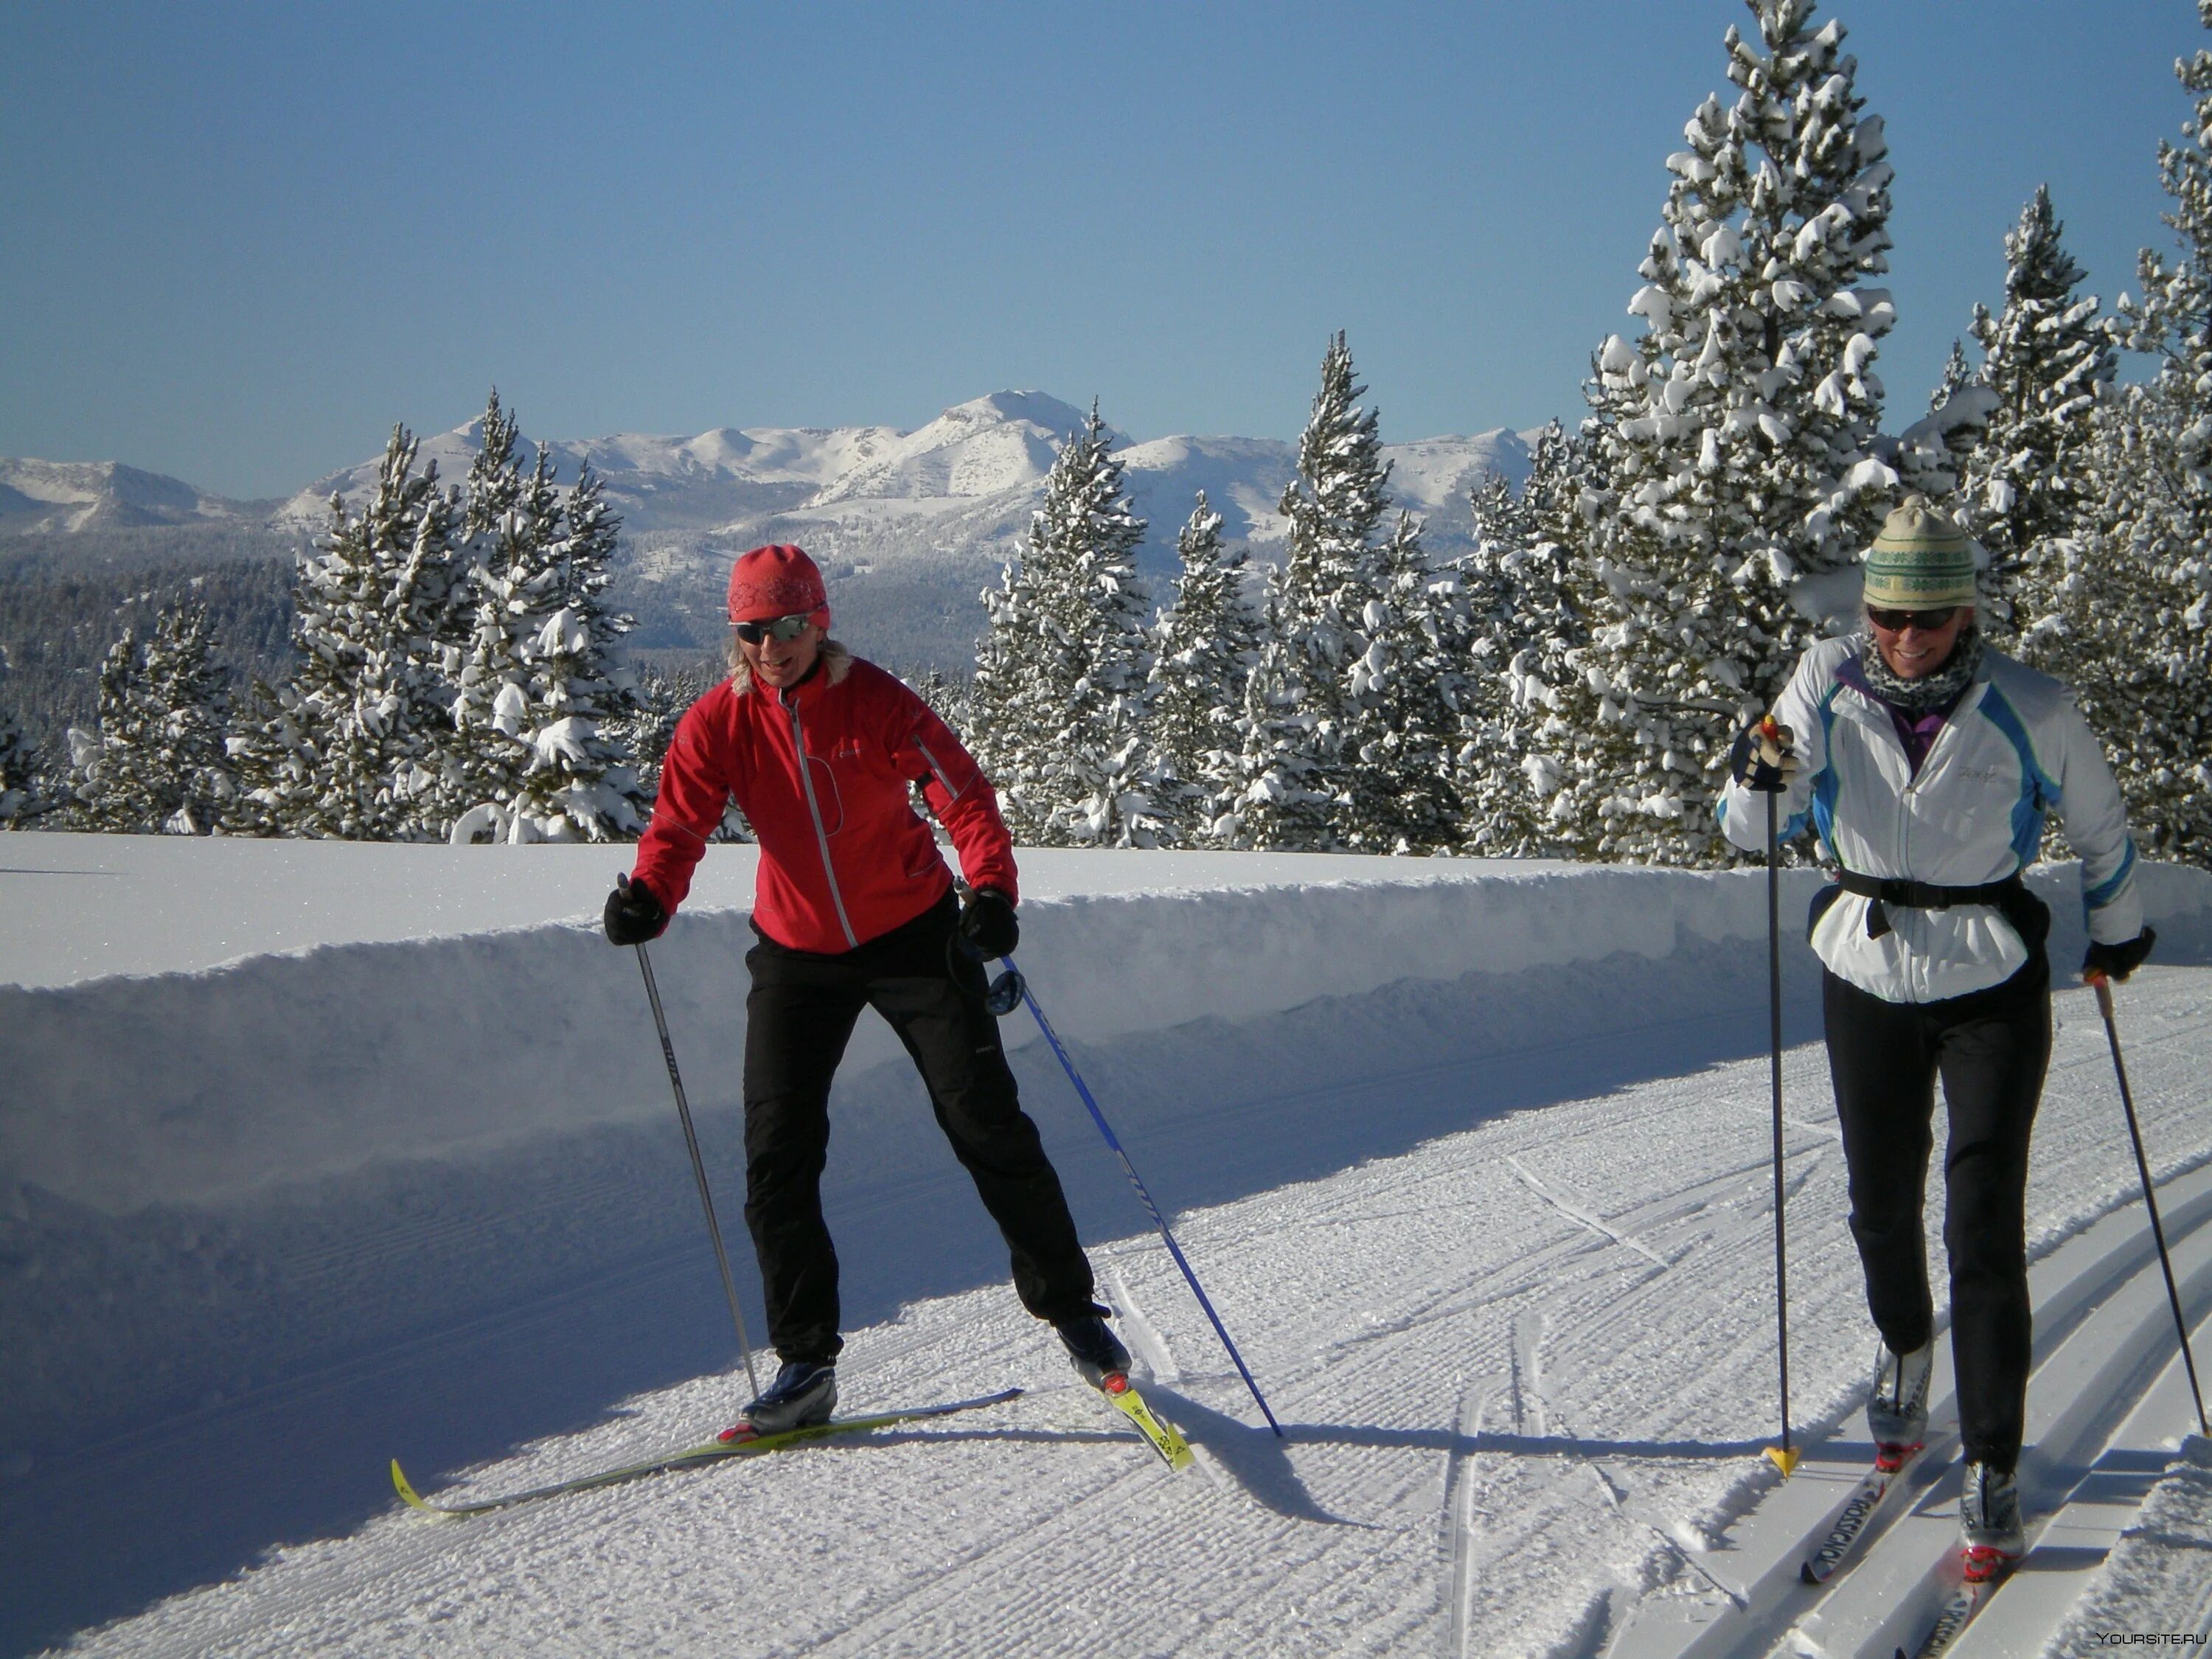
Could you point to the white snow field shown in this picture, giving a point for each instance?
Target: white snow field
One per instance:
(314, 1155)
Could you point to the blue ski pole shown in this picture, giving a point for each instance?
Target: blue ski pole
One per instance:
(1144, 1196)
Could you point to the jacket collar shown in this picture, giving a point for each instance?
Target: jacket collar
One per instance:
(1870, 704)
(836, 662)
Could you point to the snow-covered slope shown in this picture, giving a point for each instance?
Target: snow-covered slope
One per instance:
(1472, 1158)
(68, 496)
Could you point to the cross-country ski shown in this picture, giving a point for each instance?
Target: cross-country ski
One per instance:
(1848, 1528)
(723, 1447)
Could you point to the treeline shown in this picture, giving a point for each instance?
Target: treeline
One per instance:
(450, 673)
(55, 629)
(1573, 687)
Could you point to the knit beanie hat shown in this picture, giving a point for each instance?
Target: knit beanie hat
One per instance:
(1922, 561)
(778, 581)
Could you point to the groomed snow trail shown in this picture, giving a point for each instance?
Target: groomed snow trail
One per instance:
(1527, 1371)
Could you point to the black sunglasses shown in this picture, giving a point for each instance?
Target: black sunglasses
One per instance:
(784, 628)
(1896, 622)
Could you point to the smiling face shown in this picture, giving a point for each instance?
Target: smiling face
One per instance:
(1913, 652)
(778, 663)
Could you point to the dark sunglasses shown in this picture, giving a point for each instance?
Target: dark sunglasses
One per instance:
(1896, 622)
(784, 628)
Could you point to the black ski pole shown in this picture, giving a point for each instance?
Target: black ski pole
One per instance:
(2103, 990)
(1785, 1458)
(698, 1163)
(1144, 1196)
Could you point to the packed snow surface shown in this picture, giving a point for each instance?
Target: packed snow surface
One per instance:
(315, 1154)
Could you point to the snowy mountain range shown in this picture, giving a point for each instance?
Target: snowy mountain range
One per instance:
(908, 525)
(69, 497)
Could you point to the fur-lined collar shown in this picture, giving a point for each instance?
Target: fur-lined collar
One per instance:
(836, 663)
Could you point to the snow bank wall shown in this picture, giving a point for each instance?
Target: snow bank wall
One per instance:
(187, 1088)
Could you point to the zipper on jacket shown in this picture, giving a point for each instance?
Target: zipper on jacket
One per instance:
(820, 836)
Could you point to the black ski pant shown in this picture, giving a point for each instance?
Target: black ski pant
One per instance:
(799, 1017)
(1990, 1047)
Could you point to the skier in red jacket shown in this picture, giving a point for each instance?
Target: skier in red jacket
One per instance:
(853, 907)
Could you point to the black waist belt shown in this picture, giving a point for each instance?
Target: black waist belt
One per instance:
(2010, 896)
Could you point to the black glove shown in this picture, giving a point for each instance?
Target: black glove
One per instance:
(1762, 759)
(987, 922)
(2117, 962)
(633, 915)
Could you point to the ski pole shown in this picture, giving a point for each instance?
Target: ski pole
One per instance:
(1143, 1195)
(1785, 1458)
(698, 1163)
(2103, 990)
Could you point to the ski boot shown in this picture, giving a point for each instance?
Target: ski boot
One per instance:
(1989, 1522)
(804, 1393)
(1897, 1403)
(1097, 1353)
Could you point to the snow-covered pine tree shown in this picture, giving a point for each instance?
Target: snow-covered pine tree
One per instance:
(1957, 372)
(2048, 358)
(494, 484)
(1525, 632)
(1203, 648)
(582, 784)
(1060, 677)
(1736, 437)
(349, 747)
(2130, 624)
(503, 517)
(1411, 697)
(158, 763)
(1293, 765)
(541, 710)
(662, 699)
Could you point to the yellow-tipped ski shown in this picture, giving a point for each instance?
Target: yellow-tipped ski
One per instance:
(1164, 1440)
(407, 1491)
(1785, 1458)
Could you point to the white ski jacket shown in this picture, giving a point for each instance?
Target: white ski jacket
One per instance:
(2015, 748)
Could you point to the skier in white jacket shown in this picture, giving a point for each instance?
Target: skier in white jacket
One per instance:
(1926, 762)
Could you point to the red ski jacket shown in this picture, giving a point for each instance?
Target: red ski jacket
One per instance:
(820, 770)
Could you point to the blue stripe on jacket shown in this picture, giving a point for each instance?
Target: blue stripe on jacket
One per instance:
(2038, 792)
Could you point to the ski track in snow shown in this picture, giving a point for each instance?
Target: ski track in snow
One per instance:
(1527, 1371)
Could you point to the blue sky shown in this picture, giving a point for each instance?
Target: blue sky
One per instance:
(238, 242)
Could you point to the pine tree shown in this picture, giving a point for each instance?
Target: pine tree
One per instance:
(1293, 765)
(1203, 649)
(581, 783)
(493, 485)
(1526, 632)
(540, 711)
(1957, 373)
(2128, 624)
(1736, 436)
(647, 730)
(352, 746)
(1411, 695)
(2048, 358)
(1060, 677)
(158, 761)
(504, 519)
